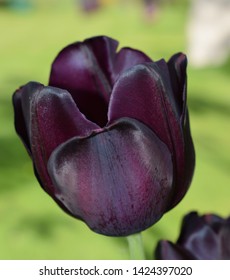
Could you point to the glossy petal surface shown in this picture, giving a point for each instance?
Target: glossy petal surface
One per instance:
(22, 113)
(118, 181)
(113, 127)
(177, 65)
(144, 93)
(88, 70)
(46, 112)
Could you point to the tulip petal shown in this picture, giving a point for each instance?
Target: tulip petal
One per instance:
(77, 70)
(144, 93)
(51, 118)
(140, 94)
(88, 70)
(104, 49)
(125, 59)
(176, 69)
(19, 113)
(177, 65)
(112, 63)
(199, 238)
(214, 221)
(118, 181)
(166, 250)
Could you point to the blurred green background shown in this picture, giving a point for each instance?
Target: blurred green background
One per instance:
(32, 226)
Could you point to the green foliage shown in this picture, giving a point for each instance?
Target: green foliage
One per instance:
(32, 225)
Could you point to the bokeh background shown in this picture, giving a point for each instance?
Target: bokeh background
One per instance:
(32, 32)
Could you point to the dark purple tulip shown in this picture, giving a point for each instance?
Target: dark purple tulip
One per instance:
(201, 238)
(109, 137)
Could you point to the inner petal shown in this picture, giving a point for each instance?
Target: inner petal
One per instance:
(76, 70)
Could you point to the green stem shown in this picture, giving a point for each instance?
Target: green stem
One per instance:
(136, 248)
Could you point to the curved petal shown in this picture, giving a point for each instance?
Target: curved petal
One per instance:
(125, 59)
(177, 65)
(104, 49)
(140, 94)
(199, 238)
(144, 93)
(51, 118)
(166, 250)
(111, 62)
(118, 181)
(185, 174)
(176, 70)
(191, 223)
(88, 70)
(76, 69)
(21, 116)
(214, 221)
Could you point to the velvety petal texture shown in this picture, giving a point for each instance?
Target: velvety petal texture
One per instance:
(202, 238)
(88, 71)
(109, 136)
(107, 178)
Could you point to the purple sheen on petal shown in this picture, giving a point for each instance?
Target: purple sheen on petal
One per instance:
(21, 118)
(166, 250)
(191, 223)
(127, 58)
(144, 93)
(139, 93)
(204, 244)
(198, 238)
(52, 118)
(104, 50)
(111, 62)
(214, 221)
(186, 173)
(88, 71)
(118, 181)
(177, 65)
(77, 70)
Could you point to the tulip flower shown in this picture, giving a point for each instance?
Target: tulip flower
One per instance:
(204, 237)
(109, 136)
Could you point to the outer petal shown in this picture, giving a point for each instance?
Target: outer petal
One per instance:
(144, 93)
(177, 68)
(51, 117)
(19, 119)
(177, 65)
(119, 181)
(199, 238)
(166, 250)
(214, 221)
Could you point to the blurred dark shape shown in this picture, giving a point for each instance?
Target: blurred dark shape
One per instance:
(150, 9)
(20, 5)
(89, 6)
(4, 3)
(209, 32)
(204, 237)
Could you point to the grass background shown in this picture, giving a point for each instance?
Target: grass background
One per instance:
(31, 225)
